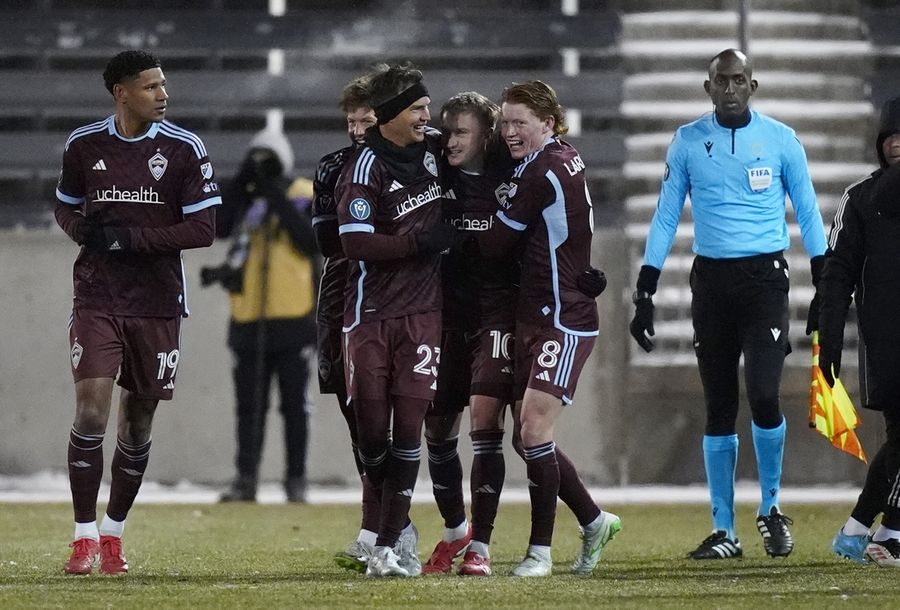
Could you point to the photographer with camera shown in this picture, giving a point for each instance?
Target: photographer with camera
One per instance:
(269, 273)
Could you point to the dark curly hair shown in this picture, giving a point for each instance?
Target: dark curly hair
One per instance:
(127, 65)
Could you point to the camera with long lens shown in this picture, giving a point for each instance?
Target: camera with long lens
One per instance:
(231, 278)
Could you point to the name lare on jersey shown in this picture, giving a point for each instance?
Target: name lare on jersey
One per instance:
(548, 199)
(372, 199)
(151, 181)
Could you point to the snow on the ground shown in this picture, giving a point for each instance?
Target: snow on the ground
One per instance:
(54, 487)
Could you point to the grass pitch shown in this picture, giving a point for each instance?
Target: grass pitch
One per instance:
(280, 556)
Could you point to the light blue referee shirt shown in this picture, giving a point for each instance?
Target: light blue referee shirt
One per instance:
(737, 180)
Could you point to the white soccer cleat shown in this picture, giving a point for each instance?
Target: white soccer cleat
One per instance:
(356, 557)
(407, 549)
(384, 563)
(534, 564)
(885, 553)
(594, 538)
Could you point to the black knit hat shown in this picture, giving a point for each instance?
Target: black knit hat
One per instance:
(887, 126)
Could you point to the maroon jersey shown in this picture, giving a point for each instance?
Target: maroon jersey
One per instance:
(330, 308)
(398, 198)
(151, 181)
(548, 200)
(479, 292)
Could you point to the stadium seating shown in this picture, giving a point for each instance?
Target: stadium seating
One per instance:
(224, 77)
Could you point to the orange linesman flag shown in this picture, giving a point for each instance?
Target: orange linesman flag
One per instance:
(831, 411)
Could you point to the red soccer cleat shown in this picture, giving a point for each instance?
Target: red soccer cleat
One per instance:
(441, 560)
(112, 557)
(475, 565)
(83, 558)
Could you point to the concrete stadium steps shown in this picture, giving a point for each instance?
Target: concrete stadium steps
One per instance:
(841, 118)
(640, 208)
(821, 146)
(829, 177)
(684, 236)
(687, 85)
(838, 7)
(776, 24)
(668, 53)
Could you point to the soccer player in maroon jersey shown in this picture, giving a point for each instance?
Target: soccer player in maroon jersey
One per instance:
(476, 352)
(547, 211)
(389, 211)
(330, 309)
(134, 191)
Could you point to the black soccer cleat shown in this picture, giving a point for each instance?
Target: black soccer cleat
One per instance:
(776, 536)
(717, 546)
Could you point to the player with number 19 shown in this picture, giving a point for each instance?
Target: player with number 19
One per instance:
(134, 191)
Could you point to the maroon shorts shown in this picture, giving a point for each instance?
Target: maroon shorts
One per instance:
(492, 362)
(331, 359)
(143, 351)
(478, 363)
(549, 360)
(394, 357)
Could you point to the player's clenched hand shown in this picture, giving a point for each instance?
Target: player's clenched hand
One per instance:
(591, 283)
(641, 326)
(107, 239)
(437, 239)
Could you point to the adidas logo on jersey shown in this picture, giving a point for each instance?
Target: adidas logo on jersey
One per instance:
(169, 386)
(433, 385)
(543, 376)
(507, 369)
(395, 186)
(100, 166)
(115, 245)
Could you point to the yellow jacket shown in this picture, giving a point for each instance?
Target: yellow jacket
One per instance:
(290, 290)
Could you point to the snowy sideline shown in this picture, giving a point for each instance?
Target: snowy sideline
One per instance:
(54, 487)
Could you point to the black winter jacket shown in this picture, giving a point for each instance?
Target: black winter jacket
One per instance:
(863, 258)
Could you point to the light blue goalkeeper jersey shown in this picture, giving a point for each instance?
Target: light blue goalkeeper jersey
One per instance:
(737, 180)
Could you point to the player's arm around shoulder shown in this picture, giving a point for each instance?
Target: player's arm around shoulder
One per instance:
(324, 204)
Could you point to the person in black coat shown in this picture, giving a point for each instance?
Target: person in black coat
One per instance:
(863, 262)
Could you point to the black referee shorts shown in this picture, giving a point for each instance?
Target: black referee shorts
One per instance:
(739, 303)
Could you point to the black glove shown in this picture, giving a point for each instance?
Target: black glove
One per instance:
(86, 226)
(830, 357)
(816, 264)
(642, 323)
(107, 239)
(435, 240)
(591, 283)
